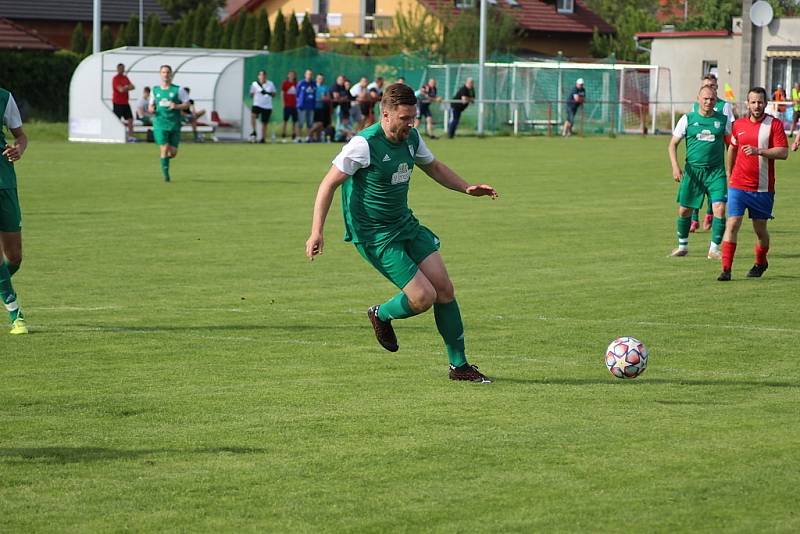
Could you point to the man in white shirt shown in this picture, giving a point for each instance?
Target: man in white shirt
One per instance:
(262, 90)
(141, 111)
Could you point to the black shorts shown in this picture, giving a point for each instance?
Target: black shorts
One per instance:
(425, 109)
(264, 113)
(366, 108)
(322, 115)
(290, 113)
(123, 111)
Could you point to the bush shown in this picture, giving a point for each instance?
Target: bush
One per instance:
(22, 74)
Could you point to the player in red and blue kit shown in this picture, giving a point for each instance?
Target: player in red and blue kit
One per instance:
(756, 142)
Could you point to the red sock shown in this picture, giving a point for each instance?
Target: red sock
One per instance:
(728, 250)
(761, 255)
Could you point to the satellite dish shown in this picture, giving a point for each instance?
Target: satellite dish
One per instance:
(761, 13)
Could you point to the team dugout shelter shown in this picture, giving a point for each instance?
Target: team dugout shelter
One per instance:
(216, 78)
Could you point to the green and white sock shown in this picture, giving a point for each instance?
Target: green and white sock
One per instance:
(682, 224)
(451, 328)
(717, 230)
(165, 167)
(396, 307)
(7, 294)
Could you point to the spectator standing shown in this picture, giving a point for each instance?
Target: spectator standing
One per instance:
(574, 101)
(795, 107)
(261, 90)
(322, 110)
(361, 95)
(289, 92)
(779, 96)
(464, 96)
(340, 99)
(306, 102)
(121, 86)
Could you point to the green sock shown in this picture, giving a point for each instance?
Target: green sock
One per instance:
(12, 267)
(448, 321)
(696, 215)
(396, 307)
(717, 230)
(682, 224)
(7, 294)
(165, 167)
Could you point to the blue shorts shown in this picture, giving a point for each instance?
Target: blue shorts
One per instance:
(758, 204)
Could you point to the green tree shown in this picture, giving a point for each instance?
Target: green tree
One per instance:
(249, 32)
(262, 30)
(201, 17)
(131, 31)
(167, 37)
(307, 34)
(178, 8)
(78, 40)
(212, 34)
(106, 38)
(187, 28)
(89, 45)
(416, 30)
(631, 21)
(119, 40)
(238, 32)
(152, 30)
(293, 32)
(462, 33)
(278, 43)
(227, 32)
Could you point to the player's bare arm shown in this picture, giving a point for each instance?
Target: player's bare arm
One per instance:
(778, 152)
(322, 205)
(447, 177)
(730, 160)
(14, 152)
(672, 149)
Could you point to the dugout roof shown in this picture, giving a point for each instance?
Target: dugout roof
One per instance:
(216, 79)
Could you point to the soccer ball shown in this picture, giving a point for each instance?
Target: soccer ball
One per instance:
(626, 357)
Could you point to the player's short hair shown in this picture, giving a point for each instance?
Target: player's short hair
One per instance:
(262, 71)
(710, 76)
(398, 94)
(702, 87)
(167, 66)
(758, 90)
(146, 89)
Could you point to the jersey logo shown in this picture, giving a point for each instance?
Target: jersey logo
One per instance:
(706, 135)
(696, 124)
(387, 158)
(716, 124)
(411, 150)
(402, 175)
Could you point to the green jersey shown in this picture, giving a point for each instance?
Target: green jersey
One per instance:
(705, 138)
(166, 118)
(375, 197)
(9, 117)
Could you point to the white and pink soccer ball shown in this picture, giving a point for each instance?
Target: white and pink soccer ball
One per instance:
(626, 357)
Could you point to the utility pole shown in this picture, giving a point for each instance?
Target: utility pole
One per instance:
(96, 27)
(481, 62)
(746, 65)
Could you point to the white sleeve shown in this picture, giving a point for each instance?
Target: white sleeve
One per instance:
(680, 128)
(727, 110)
(11, 116)
(355, 91)
(253, 89)
(183, 96)
(424, 154)
(271, 87)
(354, 156)
(152, 100)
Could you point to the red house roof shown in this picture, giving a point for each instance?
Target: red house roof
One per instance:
(13, 37)
(539, 15)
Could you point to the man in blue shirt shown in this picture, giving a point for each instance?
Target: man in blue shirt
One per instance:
(306, 99)
(322, 111)
(574, 102)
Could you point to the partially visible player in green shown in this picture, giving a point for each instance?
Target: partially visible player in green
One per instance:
(724, 107)
(10, 213)
(374, 170)
(704, 173)
(166, 103)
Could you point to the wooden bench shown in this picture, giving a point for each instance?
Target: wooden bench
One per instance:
(202, 128)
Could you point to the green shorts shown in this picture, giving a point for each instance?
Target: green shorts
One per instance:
(10, 214)
(399, 260)
(167, 137)
(698, 182)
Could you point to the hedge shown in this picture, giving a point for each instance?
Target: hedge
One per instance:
(39, 82)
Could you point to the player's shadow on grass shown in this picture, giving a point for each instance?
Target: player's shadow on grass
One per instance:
(67, 455)
(644, 382)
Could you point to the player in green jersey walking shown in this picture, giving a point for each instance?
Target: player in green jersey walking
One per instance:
(724, 107)
(166, 103)
(374, 170)
(10, 214)
(704, 173)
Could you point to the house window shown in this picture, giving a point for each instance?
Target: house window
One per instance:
(565, 6)
(465, 4)
(369, 17)
(778, 72)
(710, 67)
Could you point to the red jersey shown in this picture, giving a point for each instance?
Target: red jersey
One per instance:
(755, 173)
(117, 97)
(289, 90)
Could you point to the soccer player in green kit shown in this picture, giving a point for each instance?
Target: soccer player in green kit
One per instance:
(704, 173)
(374, 170)
(166, 103)
(724, 107)
(10, 214)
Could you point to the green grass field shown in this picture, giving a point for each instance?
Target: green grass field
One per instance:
(189, 370)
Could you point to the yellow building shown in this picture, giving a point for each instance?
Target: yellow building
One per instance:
(547, 26)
